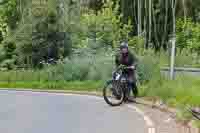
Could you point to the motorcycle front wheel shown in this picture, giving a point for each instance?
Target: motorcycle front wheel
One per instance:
(113, 93)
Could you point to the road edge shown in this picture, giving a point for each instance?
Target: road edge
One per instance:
(149, 122)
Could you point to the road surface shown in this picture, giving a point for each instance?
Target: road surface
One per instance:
(27, 112)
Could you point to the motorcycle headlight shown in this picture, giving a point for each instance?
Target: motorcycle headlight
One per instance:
(117, 76)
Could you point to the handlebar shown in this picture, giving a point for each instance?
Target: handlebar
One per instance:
(122, 67)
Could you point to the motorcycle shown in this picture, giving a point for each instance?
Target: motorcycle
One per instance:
(116, 90)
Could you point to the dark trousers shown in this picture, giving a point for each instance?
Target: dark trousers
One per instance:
(132, 86)
(132, 82)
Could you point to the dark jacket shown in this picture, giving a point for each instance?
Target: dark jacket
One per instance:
(127, 60)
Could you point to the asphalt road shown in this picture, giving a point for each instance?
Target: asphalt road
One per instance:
(26, 112)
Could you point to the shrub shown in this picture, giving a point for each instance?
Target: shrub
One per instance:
(2, 54)
(88, 67)
(9, 48)
(9, 64)
(188, 34)
(148, 69)
(1, 36)
(181, 91)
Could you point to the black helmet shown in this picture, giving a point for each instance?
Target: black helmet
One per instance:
(124, 45)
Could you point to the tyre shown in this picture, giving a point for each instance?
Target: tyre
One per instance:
(113, 93)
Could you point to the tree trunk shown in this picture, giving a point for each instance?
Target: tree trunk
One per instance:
(173, 53)
(145, 25)
(156, 41)
(165, 24)
(150, 21)
(139, 17)
(184, 11)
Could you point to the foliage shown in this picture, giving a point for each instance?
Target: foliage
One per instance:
(8, 64)
(1, 37)
(188, 35)
(92, 67)
(8, 55)
(147, 69)
(2, 54)
(137, 44)
(183, 32)
(41, 39)
(9, 13)
(3, 26)
(178, 93)
(104, 28)
(194, 42)
(9, 48)
(45, 43)
(156, 18)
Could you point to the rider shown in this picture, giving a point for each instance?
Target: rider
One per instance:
(126, 58)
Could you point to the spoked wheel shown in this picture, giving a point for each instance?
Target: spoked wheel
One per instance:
(113, 93)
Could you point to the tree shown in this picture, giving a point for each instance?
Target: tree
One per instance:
(47, 40)
(194, 41)
(154, 20)
(188, 35)
(10, 14)
(104, 29)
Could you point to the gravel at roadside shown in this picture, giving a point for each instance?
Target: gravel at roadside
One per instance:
(164, 119)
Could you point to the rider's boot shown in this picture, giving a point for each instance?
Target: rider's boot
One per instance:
(128, 98)
(135, 89)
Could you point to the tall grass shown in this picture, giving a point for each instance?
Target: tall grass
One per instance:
(80, 68)
(183, 59)
(183, 90)
(96, 68)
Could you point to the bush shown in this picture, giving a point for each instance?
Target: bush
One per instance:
(148, 69)
(181, 91)
(48, 42)
(188, 34)
(9, 48)
(9, 64)
(1, 36)
(88, 67)
(2, 54)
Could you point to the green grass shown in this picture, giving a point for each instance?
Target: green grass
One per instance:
(75, 85)
(184, 59)
(179, 93)
(184, 89)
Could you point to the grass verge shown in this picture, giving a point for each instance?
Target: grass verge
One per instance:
(75, 85)
(180, 93)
